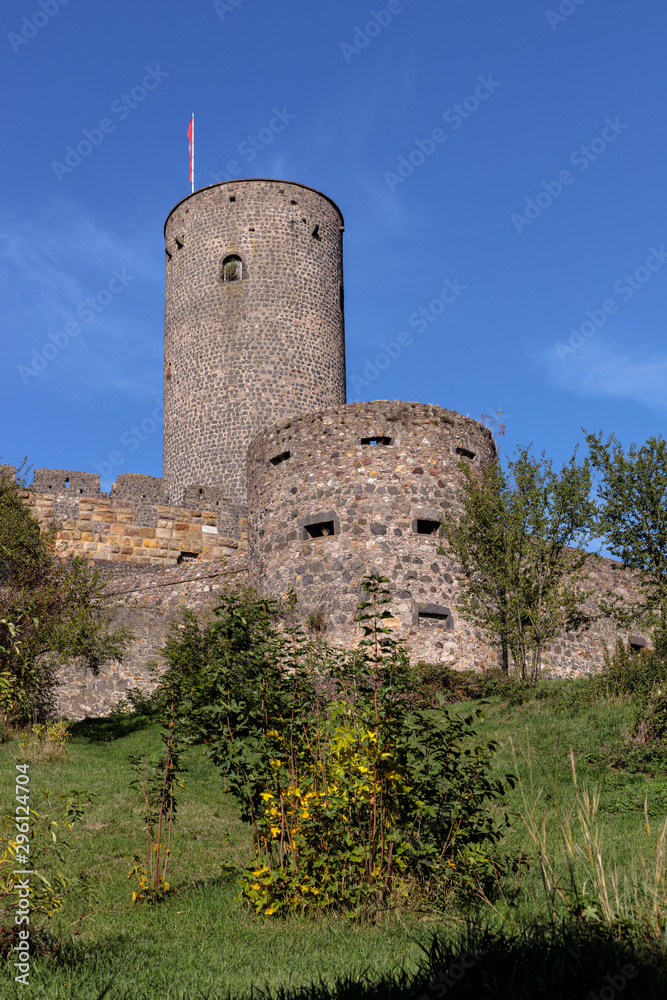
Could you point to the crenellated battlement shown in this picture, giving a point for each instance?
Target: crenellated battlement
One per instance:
(133, 523)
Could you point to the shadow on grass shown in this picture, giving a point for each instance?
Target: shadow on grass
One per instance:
(108, 729)
(577, 962)
(192, 887)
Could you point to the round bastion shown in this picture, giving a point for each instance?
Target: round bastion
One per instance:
(360, 489)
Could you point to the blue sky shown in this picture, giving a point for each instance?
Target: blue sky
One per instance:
(500, 168)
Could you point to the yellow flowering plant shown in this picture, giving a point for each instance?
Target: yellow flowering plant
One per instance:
(350, 789)
(45, 742)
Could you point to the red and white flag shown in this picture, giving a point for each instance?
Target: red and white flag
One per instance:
(191, 140)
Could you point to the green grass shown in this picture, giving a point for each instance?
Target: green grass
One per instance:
(203, 942)
(535, 740)
(201, 937)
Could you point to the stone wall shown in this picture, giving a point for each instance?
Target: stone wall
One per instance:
(242, 354)
(333, 496)
(157, 559)
(145, 599)
(578, 654)
(381, 501)
(134, 524)
(372, 506)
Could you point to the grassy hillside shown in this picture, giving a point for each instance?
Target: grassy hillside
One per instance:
(203, 942)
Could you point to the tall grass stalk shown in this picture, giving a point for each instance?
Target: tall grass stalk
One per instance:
(595, 889)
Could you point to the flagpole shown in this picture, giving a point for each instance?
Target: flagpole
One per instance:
(193, 153)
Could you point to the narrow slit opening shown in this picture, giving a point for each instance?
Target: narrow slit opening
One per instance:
(320, 530)
(426, 526)
(433, 619)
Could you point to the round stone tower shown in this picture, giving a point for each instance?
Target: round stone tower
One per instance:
(359, 489)
(254, 324)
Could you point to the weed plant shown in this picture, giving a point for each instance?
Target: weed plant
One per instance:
(45, 742)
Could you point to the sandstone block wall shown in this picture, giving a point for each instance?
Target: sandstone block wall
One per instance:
(134, 524)
(241, 355)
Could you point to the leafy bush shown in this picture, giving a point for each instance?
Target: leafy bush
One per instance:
(51, 610)
(432, 679)
(639, 675)
(352, 791)
(38, 843)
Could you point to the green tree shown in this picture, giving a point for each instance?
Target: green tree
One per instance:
(51, 610)
(519, 540)
(632, 499)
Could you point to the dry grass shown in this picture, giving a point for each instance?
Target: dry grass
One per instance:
(636, 895)
(45, 743)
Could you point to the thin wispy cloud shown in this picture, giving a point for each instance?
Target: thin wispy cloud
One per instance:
(56, 270)
(597, 370)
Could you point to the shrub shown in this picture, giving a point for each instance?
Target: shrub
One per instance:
(639, 675)
(350, 789)
(37, 842)
(432, 679)
(51, 611)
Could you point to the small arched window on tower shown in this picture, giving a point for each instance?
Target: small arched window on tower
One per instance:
(232, 268)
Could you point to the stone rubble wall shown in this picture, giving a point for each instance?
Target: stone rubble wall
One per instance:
(374, 496)
(240, 355)
(147, 600)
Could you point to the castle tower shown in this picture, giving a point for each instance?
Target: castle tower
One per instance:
(254, 324)
(359, 489)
